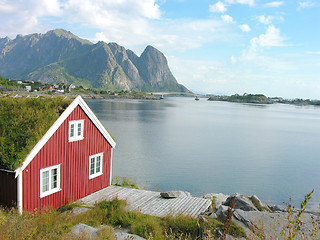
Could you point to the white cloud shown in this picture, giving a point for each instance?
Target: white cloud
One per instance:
(274, 4)
(271, 38)
(218, 7)
(305, 4)
(248, 2)
(313, 52)
(265, 20)
(245, 28)
(227, 18)
(22, 16)
(268, 20)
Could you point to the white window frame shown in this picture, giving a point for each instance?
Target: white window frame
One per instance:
(51, 190)
(76, 136)
(95, 173)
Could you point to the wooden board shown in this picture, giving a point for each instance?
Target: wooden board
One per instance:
(149, 202)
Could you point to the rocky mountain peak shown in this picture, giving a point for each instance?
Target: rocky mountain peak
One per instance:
(60, 56)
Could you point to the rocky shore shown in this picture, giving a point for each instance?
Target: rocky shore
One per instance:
(262, 221)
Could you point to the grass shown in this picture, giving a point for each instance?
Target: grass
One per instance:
(23, 122)
(124, 182)
(58, 224)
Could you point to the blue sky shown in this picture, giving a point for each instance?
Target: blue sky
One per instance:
(224, 47)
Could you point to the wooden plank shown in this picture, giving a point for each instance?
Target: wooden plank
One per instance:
(149, 202)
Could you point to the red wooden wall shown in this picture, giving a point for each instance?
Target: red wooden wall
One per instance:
(8, 189)
(74, 160)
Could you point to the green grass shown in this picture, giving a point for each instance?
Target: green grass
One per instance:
(57, 224)
(23, 122)
(124, 182)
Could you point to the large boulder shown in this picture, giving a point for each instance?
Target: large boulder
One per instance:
(242, 202)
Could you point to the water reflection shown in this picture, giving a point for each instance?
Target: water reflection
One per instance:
(202, 146)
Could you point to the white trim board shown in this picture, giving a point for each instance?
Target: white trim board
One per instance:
(78, 101)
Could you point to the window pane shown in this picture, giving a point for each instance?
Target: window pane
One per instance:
(98, 167)
(45, 181)
(92, 166)
(54, 178)
(71, 130)
(79, 129)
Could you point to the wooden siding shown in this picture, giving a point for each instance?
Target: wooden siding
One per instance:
(74, 160)
(8, 188)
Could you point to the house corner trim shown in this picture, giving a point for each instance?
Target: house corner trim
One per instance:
(19, 193)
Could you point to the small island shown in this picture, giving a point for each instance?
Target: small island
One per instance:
(262, 99)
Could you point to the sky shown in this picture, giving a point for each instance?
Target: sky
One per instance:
(213, 47)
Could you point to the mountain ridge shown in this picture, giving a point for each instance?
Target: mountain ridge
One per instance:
(61, 56)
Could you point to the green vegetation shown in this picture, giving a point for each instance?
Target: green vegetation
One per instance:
(245, 98)
(116, 214)
(6, 84)
(23, 122)
(294, 218)
(56, 225)
(124, 182)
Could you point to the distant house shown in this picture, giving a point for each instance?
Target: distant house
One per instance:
(28, 88)
(72, 159)
(72, 86)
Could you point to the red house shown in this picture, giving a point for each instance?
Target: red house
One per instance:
(72, 160)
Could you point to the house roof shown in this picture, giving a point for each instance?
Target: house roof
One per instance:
(52, 117)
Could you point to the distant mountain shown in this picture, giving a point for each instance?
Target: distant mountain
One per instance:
(60, 56)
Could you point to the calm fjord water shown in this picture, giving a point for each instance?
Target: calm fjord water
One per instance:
(201, 147)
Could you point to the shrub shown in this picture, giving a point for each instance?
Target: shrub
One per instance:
(124, 182)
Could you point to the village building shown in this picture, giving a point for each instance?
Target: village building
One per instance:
(71, 160)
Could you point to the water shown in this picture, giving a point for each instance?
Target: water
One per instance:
(201, 147)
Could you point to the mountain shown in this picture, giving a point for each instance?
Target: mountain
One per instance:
(60, 56)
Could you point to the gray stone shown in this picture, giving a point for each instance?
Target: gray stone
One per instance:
(242, 202)
(222, 211)
(79, 210)
(213, 215)
(123, 234)
(277, 208)
(174, 194)
(217, 198)
(83, 230)
(256, 201)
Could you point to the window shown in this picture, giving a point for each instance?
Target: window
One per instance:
(95, 165)
(76, 130)
(49, 180)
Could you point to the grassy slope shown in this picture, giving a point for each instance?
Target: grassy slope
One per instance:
(23, 122)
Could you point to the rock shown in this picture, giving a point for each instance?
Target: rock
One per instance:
(122, 234)
(222, 211)
(82, 230)
(213, 215)
(217, 198)
(174, 194)
(79, 210)
(277, 208)
(257, 202)
(242, 202)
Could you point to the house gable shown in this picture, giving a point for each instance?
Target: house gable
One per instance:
(55, 148)
(78, 101)
(72, 158)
